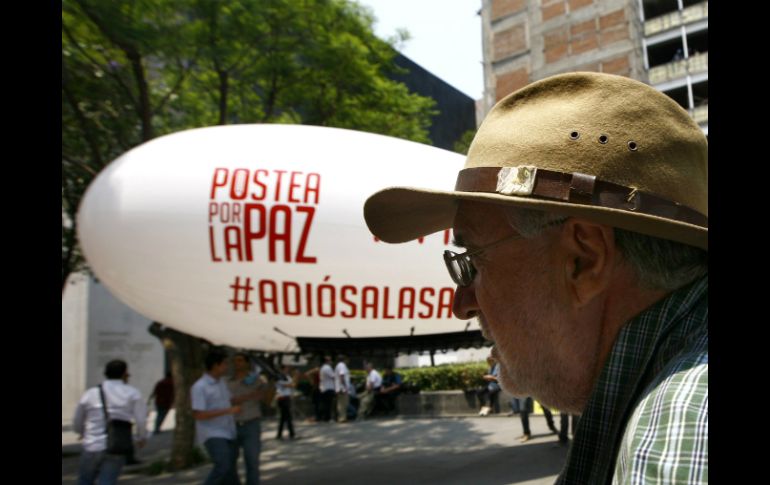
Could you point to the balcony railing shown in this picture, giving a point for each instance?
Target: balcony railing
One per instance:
(676, 18)
(698, 63)
(679, 69)
(700, 114)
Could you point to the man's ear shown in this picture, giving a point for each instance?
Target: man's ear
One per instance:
(590, 253)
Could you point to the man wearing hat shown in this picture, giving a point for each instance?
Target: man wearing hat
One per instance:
(583, 210)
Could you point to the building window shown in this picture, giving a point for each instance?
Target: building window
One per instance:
(656, 8)
(700, 94)
(680, 96)
(665, 52)
(698, 42)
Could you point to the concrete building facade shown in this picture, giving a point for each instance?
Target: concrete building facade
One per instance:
(456, 112)
(96, 328)
(660, 42)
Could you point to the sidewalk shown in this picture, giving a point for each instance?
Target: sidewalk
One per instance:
(380, 451)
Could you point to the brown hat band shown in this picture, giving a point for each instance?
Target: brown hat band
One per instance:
(575, 188)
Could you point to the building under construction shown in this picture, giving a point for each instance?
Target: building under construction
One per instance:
(663, 43)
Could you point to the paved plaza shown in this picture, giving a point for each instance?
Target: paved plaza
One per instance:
(456, 450)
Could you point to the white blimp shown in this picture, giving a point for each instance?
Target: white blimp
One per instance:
(253, 235)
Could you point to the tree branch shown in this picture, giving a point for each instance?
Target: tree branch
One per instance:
(177, 85)
(99, 65)
(83, 122)
(135, 59)
(80, 165)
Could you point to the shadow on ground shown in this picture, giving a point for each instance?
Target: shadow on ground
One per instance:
(386, 451)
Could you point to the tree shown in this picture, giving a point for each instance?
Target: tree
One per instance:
(464, 142)
(135, 70)
(186, 357)
(119, 71)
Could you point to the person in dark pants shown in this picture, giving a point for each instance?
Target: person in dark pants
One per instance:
(163, 393)
(491, 389)
(284, 388)
(391, 388)
(527, 407)
(354, 402)
(327, 388)
(314, 377)
(564, 429)
(316, 394)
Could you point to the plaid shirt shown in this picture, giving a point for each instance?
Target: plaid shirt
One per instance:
(646, 421)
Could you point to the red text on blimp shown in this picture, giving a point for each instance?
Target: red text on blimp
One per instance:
(238, 214)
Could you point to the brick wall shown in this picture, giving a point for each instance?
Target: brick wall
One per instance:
(575, 38)
(509, 42)
(530, 40)
(503, 8)
(510, 82)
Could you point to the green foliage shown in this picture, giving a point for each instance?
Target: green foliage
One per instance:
(132, 71)
(357, 375)
(464, 142)
(157, 467)
(120, 69)
(446, 377)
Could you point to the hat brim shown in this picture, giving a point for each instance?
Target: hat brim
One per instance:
(401, 214)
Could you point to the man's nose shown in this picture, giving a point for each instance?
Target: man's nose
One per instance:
(465, 305)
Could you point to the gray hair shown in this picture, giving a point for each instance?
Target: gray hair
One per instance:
(658, 263)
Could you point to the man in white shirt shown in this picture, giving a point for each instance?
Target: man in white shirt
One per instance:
(341, 386)
(214, 422)
(373, 385)
(124, 403)
(373, 378)
(327, 387)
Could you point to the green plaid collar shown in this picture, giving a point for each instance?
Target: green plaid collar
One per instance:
(645, 347)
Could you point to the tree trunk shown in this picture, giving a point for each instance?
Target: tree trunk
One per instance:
(186, 357)
(223, 88)
(271, 98)
(144, 109)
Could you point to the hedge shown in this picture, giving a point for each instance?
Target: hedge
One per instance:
(445, 377)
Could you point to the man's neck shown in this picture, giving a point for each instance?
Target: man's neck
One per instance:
(626, 301)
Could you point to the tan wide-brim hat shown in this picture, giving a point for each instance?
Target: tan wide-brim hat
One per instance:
(597, 146)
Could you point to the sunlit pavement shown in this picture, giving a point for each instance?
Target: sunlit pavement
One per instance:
(466, 450)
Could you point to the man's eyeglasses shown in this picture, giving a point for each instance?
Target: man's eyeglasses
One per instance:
(461, 267)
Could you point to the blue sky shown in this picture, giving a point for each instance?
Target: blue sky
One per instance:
(445, 37)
